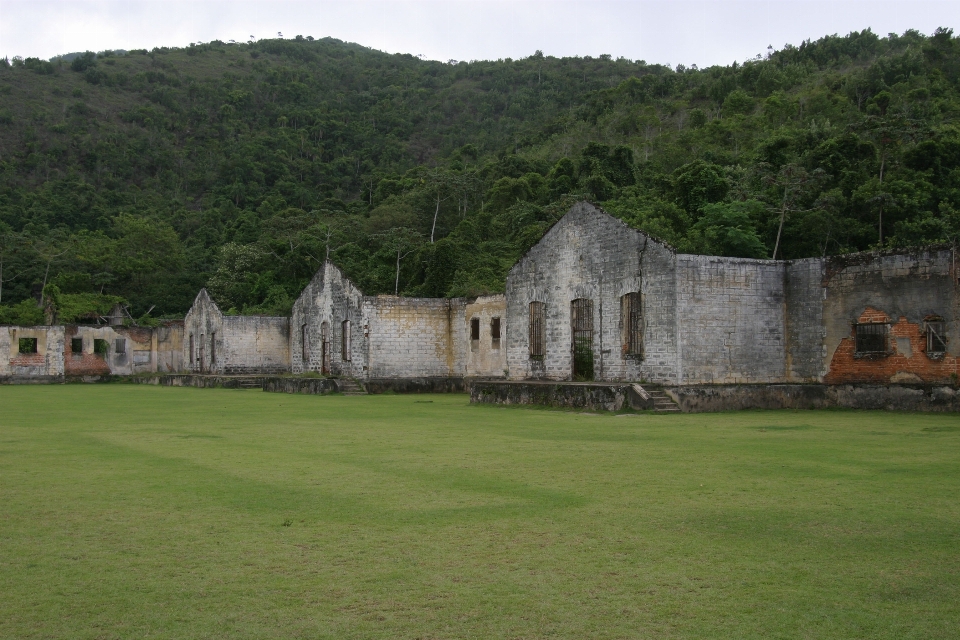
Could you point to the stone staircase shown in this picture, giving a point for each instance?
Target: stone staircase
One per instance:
(350, 387)
(250, 383)
(662, 403)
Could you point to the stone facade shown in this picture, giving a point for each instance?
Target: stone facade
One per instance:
(589, 255)
(31, 352)
(337, 330)
(89, 351)
(714, 320)
(215, 343)
(593, 300)
(119, 350)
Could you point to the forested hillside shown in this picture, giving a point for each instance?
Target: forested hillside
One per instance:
(144, 176)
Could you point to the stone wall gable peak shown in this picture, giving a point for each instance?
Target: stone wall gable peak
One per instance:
(587, 214)
(331, 265)
(204, 298)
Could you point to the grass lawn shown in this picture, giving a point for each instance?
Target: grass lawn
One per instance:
(146, 512)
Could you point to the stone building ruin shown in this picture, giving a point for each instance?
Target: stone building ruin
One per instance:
(593, 300)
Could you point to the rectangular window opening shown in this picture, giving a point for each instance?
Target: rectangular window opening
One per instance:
(631, 317)
(474, 334)
(872, 338)
(537, 329)
(101, 347)
(345, 346)
(304, 345)
(120, 345)
(76, 346)
(495, 333)
(27, 345)
(936, 337)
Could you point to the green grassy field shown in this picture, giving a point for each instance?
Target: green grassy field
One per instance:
(143, 512)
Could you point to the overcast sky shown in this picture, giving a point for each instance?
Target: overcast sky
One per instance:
(701, 32)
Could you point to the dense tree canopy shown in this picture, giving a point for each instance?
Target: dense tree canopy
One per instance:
(142, 176)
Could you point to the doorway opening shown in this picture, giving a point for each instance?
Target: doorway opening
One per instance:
(581, 330)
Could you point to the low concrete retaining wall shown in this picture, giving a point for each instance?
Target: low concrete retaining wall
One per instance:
(696, 399)
(415, 385)
(574, 395)
(316, 386)
(202, 382)
(32, 379)
(707, 398)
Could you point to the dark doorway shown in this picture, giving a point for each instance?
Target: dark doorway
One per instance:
(581, 329)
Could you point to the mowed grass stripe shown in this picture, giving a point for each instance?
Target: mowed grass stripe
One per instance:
(134, 511)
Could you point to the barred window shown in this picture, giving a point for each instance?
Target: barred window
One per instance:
(120, 346)
(345, 342)
(495, 333)
(936, 337)
(76, 346)
(631, 318)
(537, 329)
(872, 337)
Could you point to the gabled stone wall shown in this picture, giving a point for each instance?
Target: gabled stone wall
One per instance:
(716, 320)
(318, 321)
(591, 255)
(214, 343)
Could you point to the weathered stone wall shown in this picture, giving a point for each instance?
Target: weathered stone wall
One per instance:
(169, 347)
(731, 319)
(591, 255)
(803, 320)
(214, 343)
(203, 320)
(903, 290)
(253, 345)
(326, 303)
(580, 395)
(485, 357)
(128, 351)
(889, 397)
(414, 337)
(46, 363)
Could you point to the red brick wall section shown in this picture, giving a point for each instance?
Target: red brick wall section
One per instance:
(86, 364)
(914, 366)
(28, 360)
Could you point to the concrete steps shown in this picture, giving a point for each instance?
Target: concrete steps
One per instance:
(350, 387)
(662, 403)
(655, 399)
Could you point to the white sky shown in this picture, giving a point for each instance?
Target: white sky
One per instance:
(701, 32)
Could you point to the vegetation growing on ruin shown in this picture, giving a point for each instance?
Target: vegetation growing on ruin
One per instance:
(149, 174)
(139, 511)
